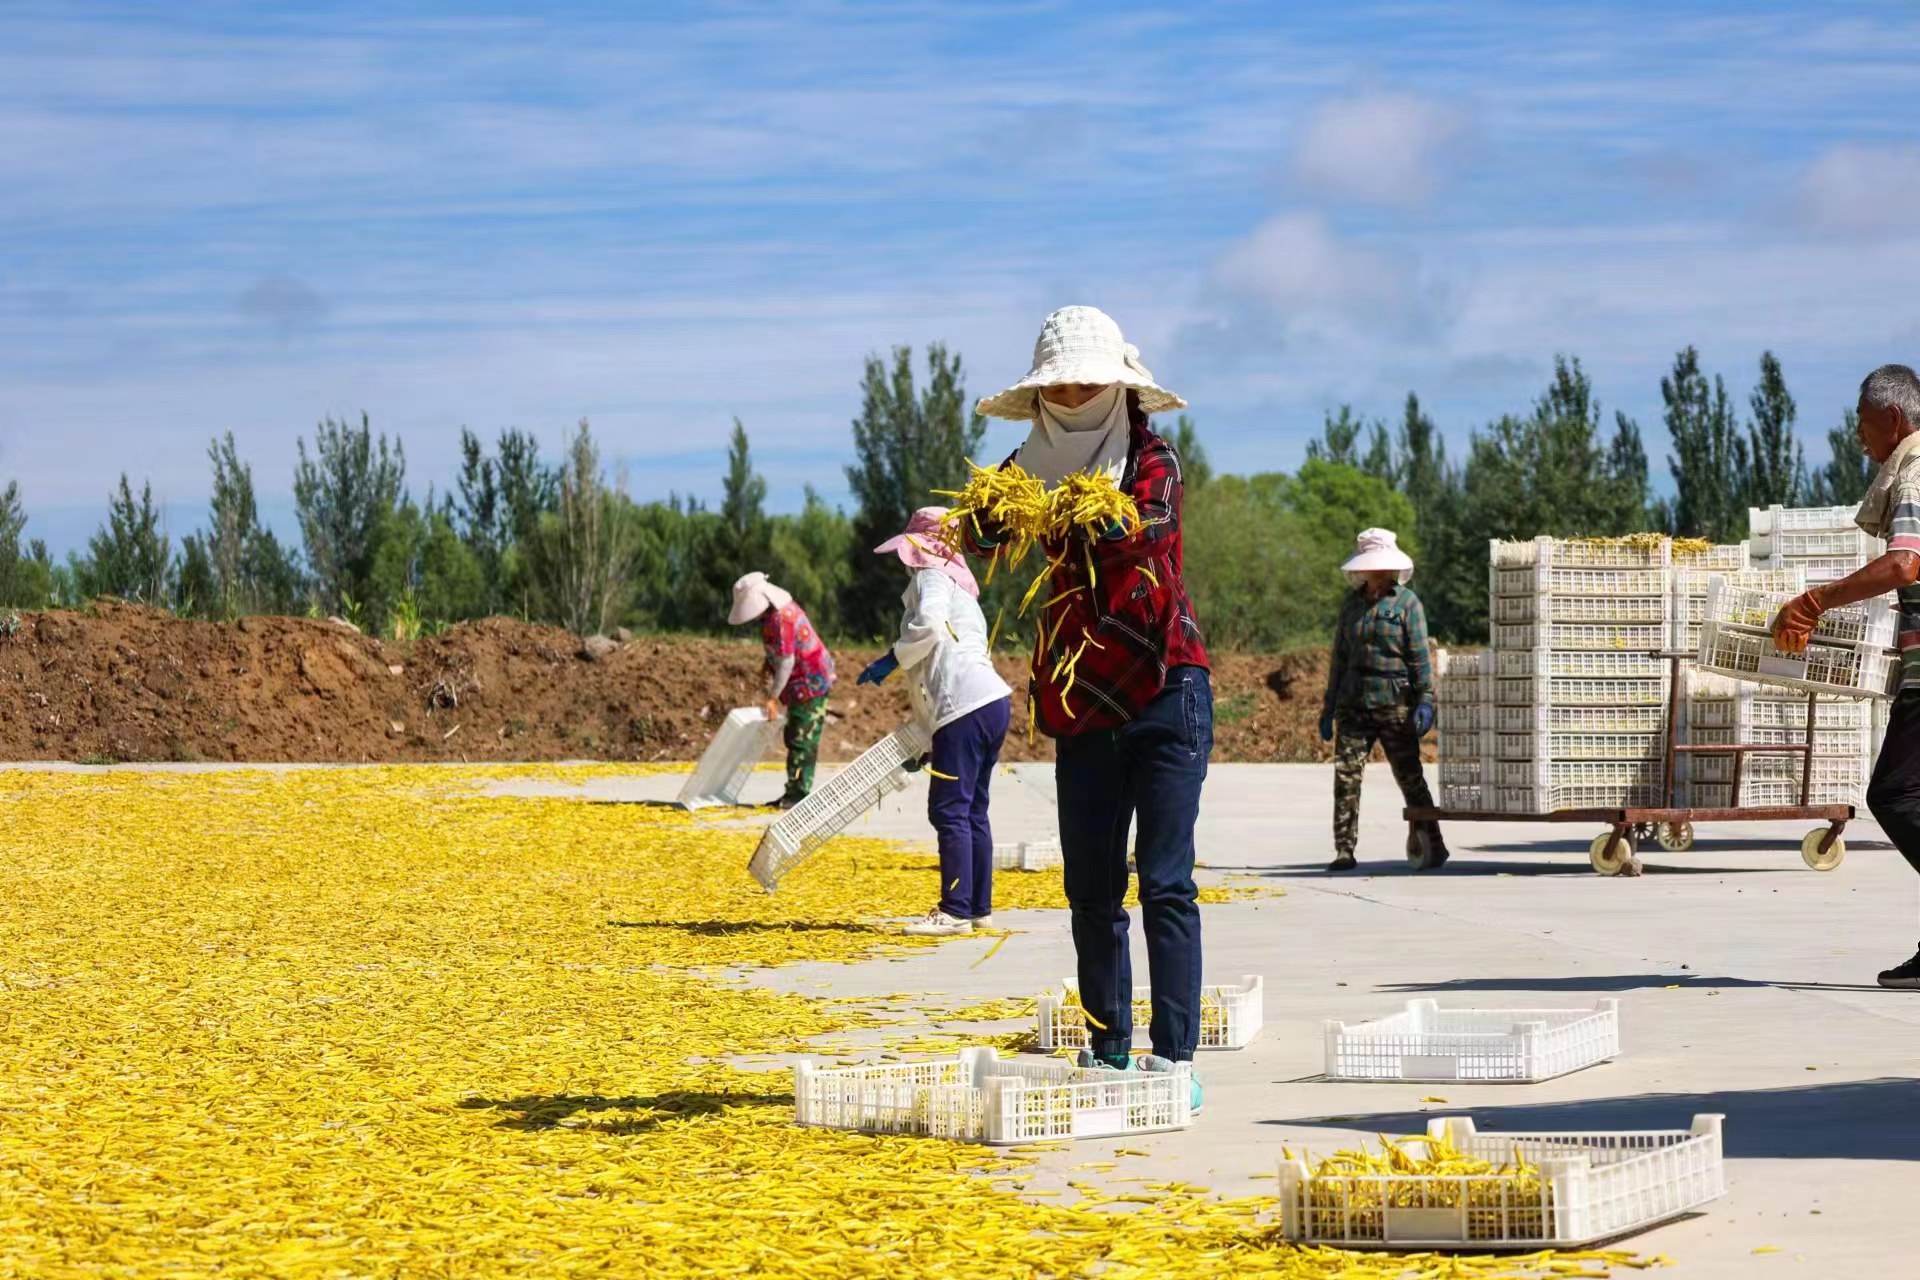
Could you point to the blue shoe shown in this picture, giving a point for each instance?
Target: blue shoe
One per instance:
(1087, 1061)
(1195, 1095)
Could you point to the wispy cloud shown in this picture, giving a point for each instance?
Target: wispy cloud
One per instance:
(1386, 148)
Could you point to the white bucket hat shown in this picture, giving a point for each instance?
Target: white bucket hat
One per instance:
(1080, 344)
(753, 595)
(1376, 551)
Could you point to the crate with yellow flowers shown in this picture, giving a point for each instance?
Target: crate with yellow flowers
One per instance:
(1231, 1014)
(1486, 1046)
(1458, 1188)
(981, 1097)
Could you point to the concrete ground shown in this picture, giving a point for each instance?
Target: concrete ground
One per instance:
(1746, 984)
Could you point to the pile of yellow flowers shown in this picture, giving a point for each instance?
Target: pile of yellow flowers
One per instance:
(376, 1022)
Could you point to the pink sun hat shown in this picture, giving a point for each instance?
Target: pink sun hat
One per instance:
(925, 545)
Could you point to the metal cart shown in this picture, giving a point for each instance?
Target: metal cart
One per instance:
(1612, 853)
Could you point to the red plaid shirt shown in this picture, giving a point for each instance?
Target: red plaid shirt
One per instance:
(1132, 608)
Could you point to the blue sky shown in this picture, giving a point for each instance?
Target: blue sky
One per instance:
(245, 217)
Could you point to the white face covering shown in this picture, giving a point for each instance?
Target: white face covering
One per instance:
(1093, 437)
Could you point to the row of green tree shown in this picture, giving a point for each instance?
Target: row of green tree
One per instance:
(560, 540)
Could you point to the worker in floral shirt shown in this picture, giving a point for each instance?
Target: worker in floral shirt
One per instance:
(799, 675)
(1379, 689)
(1132, 720)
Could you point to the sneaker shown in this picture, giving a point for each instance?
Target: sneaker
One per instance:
(983, 922)
(1345, 862)
(1087, 1061)
(938, 924)
(1196, 1096)
(787, 802)
(1905, 977)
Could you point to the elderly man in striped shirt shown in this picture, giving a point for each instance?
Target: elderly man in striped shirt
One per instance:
(1889, 420)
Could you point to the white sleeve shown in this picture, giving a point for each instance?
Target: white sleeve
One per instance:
(782, 672)
(925, 625)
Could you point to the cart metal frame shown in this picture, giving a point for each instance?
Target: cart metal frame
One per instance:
(1613, 853)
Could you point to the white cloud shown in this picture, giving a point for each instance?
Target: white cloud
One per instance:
(1294, 267)
(1382, 148)
(1861, 190)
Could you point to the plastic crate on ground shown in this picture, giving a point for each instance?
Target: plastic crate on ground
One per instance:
(1592, 1187)
(1578, 746)
(1649, 718)
(1543, 692)
(1639, 636)
(833, 805)
(1542, 608)
(1231, 1014)
(1026, 855)
(1859, 671)
(979, 1097)
(1540, 579)
(738, 746)
(1511, 1046)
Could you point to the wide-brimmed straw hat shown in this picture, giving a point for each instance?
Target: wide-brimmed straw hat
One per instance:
(1080, 344)
(926, 545)
(753, 595)
(1378, 551)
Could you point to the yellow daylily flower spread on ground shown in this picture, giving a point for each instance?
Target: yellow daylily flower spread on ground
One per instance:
(373, 1022)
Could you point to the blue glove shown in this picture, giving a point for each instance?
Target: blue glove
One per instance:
(1326, 726)
(879, 669)
(1111, 531)
(1422, 719)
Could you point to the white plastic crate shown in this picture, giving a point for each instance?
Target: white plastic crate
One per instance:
(1581, 635)
(1581, 553)
(1462, 771)
(1578, 746)
(1452, 664)
(1755, 792)
(1826, 742)
(1535, 692)
(1820, 570)
(1690, 587)
(1545, 775)
(1552, 799)
(1592, 1187)
(1509, 664)
(1540, 579)
(1461, 795)
(738, 746)
(833, 805)
(1758, 710)
(1858, 671)
(979, 1097)
(1779, 519)
(1508, 610)
(1829, 773)
(1650, 718)
(1231, 1015)
(1026, 855)
(1721, 557)
(1462, 717)
(1808, 544)
(1873, 622)
(1493, 1046)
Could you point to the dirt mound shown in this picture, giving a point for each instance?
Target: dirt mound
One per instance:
(120, 682)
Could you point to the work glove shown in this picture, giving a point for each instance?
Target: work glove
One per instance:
(1110, 531)
(916, 764)
(1326, 726)
(879, 669)
(1422, 719)
(1794, 625)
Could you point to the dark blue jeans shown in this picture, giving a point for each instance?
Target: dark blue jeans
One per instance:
(1149, 769)
(966, 752)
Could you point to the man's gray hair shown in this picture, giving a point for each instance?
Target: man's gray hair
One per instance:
(1893, 386)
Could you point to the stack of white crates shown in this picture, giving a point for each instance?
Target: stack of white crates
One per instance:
(1463, 723)
(1823, 544)
(1579, 692)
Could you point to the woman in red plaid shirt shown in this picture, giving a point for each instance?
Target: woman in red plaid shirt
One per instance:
(1133, 720)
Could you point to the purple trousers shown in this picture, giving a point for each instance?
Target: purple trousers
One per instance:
(966, 752)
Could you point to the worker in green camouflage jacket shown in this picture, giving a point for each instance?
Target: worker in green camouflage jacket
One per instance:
(1379, 689)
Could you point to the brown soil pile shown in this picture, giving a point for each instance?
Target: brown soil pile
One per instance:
(120, 682)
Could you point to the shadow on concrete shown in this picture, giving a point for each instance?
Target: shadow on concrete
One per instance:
(1460, 865)
(728, 928)
(1620, 982)
(1857, 1120)
(1700, 845)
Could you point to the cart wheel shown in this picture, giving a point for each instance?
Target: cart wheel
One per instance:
(1675, 837)
(1419, 847)
(1811, 855)
(1622, 859)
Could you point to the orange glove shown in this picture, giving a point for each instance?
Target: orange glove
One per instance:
(1796, 621)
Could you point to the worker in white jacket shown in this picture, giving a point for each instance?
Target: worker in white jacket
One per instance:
(958, 695)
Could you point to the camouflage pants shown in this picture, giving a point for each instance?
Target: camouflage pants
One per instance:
(806, 725)
(1355, 732)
